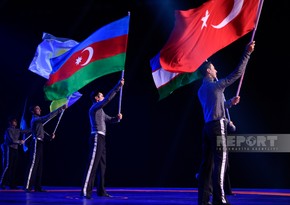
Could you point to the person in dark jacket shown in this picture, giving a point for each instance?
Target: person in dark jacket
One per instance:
(10, 153)
(214, 139)
(97, 157)
(34, 172)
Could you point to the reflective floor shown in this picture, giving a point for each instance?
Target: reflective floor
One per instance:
(140, 196)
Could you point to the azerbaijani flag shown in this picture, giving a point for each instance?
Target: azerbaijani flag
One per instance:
(166, 82)
(102, 53)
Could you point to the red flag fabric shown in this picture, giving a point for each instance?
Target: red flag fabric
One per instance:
(200, 32)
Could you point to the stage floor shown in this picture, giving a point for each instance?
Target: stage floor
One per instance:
(140, 196)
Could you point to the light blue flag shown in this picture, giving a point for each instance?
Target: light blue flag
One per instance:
(50, 47)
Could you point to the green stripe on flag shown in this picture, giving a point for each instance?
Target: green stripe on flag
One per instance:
(179, 81)
(87, 74)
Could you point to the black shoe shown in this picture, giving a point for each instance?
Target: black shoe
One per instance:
(27, 190)
(86, 197)
(105, 195)
(40, 190)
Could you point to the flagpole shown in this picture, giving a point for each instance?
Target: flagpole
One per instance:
(61, 114)
(252, 38)
(122, 76)
(31, 134)
(121, 94)
(227, 110)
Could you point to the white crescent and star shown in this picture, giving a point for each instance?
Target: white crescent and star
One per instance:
(91, 53)
(238, 4)
(237, 7)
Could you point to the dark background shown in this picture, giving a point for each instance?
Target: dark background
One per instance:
(158, 142)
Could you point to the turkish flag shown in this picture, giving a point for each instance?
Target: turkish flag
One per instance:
(200, 32)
